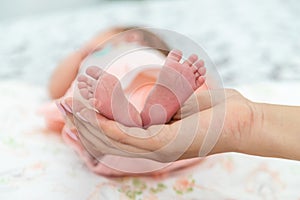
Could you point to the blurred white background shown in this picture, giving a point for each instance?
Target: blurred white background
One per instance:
(249, 40)
(10, 9)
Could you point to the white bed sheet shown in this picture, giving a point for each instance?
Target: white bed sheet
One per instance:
(36, 164)
(239, 36)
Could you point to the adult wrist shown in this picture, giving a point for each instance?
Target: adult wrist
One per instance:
(265, 138)
(249, 123)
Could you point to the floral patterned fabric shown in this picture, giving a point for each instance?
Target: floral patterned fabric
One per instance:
(36, 164)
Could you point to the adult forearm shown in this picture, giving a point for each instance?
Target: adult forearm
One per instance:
(276, 132)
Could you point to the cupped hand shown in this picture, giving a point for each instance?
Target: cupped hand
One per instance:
(212, 121)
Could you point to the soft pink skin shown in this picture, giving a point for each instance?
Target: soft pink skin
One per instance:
(104, 91)
(55, 121)
(175, 84)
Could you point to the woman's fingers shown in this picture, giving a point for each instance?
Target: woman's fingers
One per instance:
(116, 131)
(143, 139)
(68, 116)
(186, 138)
(165, 143)
(199, 101)
(96, 142)
(71, 107)
(91, 134)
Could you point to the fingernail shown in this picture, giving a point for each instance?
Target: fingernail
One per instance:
(81, 117)
(61, 109)
(71, 134)
(66, 106)
(91, 158)
(95, 162)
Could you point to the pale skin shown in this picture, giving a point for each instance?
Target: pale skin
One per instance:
(176, 82)
(249, 127)
(189, 72)
(261, 129)
(163, 101)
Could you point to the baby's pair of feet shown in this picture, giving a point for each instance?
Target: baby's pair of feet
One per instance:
(175, 84)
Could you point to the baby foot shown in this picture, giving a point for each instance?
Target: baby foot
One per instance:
(176, 83)
(104, 92)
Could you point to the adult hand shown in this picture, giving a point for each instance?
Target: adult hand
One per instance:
(174, 141)
(71, 137)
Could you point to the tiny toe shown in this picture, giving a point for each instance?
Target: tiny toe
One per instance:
(92, 88)
(90, 82)
(91, 94)
(201, 80)
(94, 72)
(202, 71)
(84, 79)
(84, 93)
(199, 63)
(191, 60)
(175, 55)
(82, 85)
